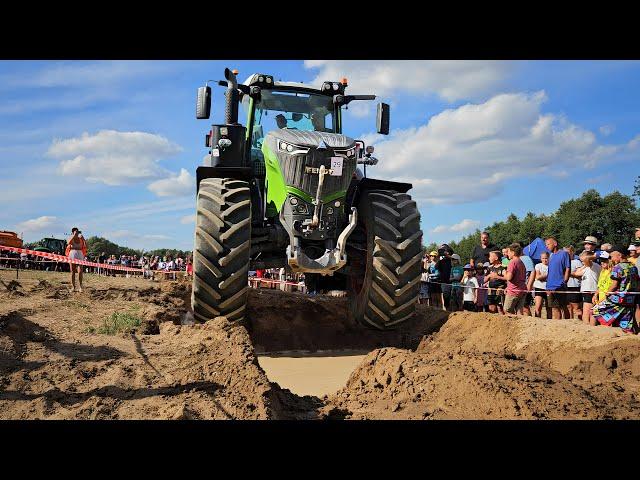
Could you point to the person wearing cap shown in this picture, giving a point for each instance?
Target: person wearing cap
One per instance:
(435, 292)
(619, 307)
(470, 286)
(589, 272)
(495, 284)
(633, 254)
(515, 276)
(590, 244)
(557, 277)
(604, 279)
(457, 272)
(538, 283)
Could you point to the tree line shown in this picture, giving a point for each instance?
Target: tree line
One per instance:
(612, 219)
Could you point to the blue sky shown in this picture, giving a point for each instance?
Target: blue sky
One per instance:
(112, 146)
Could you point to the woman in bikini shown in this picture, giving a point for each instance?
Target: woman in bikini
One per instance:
(76, 248)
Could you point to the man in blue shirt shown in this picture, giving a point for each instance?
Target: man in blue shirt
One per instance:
(557, 277)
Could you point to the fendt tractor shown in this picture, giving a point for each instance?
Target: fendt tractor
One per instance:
(285, 190)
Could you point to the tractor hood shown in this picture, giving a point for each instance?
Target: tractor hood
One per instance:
(312, 139)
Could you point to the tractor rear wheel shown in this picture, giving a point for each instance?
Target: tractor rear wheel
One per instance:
(386, 281)
(221, 249)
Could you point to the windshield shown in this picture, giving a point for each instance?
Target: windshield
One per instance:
(292, 110)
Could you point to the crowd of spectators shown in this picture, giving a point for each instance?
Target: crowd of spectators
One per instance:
(278, 278)
(149, 264)
(598, 286)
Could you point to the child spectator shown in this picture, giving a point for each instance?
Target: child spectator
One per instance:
(481, 293)
(604, 280)
(495, 284)
(470, 286)
(457, 272)
(538, 283)
(590, 272)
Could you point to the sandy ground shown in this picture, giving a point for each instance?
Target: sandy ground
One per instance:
(438, 365)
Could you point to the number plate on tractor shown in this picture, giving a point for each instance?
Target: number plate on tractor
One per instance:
(336, 166)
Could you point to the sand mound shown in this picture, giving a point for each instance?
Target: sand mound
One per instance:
(488, 366)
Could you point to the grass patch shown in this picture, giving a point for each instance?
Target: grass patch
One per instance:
(117, 322)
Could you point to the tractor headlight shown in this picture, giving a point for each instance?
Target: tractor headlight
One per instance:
(292, 149)
(336, 87)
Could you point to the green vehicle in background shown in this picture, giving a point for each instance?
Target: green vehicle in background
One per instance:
(285, 190)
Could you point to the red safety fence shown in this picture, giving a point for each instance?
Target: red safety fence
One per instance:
(53, 257)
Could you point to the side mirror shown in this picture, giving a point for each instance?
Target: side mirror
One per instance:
(382, 119)
(203, 103)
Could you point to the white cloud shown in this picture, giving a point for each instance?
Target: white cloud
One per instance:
(449, 79)
(112, 157)
(128, 234)
(465, 226)
(38, 224)
(187, 219)
(174, 186)
(607, 130)
(468, 153)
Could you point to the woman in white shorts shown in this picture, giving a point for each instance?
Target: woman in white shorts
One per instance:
(75, 246)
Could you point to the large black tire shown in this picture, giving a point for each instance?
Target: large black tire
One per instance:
(386, 294)
(222, 248)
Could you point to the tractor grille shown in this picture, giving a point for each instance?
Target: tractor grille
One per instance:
(293, 169)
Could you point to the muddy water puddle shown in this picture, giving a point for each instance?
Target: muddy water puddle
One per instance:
(311, 373)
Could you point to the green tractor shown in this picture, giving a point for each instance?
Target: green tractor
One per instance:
(285, 190)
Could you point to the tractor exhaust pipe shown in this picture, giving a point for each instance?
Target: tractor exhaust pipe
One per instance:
(232, 98)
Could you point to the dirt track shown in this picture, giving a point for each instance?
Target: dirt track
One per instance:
(472, 366)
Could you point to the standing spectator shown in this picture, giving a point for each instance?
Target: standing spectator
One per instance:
(457, 272)
(470, 285)
(604, 280)
(590, 272)
(435, 290)
(528, 265)
(557, 277)
(76, 250)
(495, 284)
(590, 244)
(444, 269)
(481, 252)
(573, 285)
(505, 256)
(515, 276)
(481, 296)
(423, 296)
(619, 308)
(633, 254)
(538, 283)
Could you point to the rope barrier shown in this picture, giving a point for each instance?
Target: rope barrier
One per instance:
(504, 289)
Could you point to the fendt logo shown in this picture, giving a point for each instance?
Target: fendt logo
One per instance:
(316, 170)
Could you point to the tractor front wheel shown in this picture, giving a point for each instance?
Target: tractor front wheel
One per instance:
(221, 249)
(386, 281)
